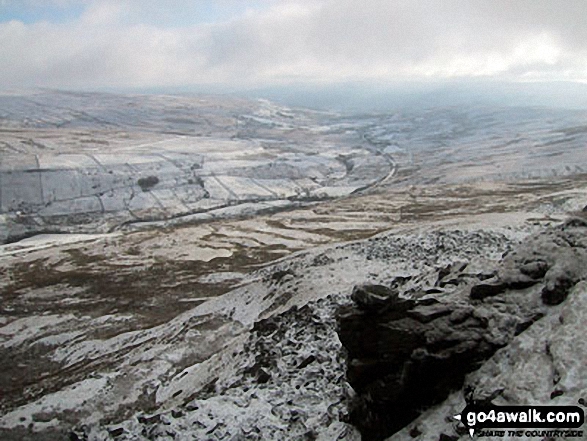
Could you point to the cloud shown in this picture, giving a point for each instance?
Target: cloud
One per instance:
(117, 43)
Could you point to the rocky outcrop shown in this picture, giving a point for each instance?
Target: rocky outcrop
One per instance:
(542, 366)
(409, 349)
(414, 353)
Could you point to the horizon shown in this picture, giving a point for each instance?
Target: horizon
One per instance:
(359, 97)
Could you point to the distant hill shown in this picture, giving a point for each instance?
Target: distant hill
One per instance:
(361, 96)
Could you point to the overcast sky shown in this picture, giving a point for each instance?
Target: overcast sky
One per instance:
(156, 43)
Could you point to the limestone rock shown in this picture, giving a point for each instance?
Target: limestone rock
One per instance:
(542, 366)
(406, 355)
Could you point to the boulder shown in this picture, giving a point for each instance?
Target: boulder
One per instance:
(373, 298)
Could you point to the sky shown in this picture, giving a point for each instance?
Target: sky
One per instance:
(87, 44)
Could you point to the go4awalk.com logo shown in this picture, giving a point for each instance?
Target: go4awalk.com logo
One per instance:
(523, 421)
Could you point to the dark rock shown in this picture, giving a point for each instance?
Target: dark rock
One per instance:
(450, 281)
(485, 276)
(116, 432)
(427, 301)
(515, 278)
(444, 272)
(451, 274)
(307, 361)
(510, 280)
(266, 326)
(371, 297)
(263, 376)
(154, 419)
(415, 432)
(522, 326)
(445, 437)
(278, 276)
(434, 291)
(535, 269)
(576, 222)
(74, 437)
(483, 290)
(556, 293)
